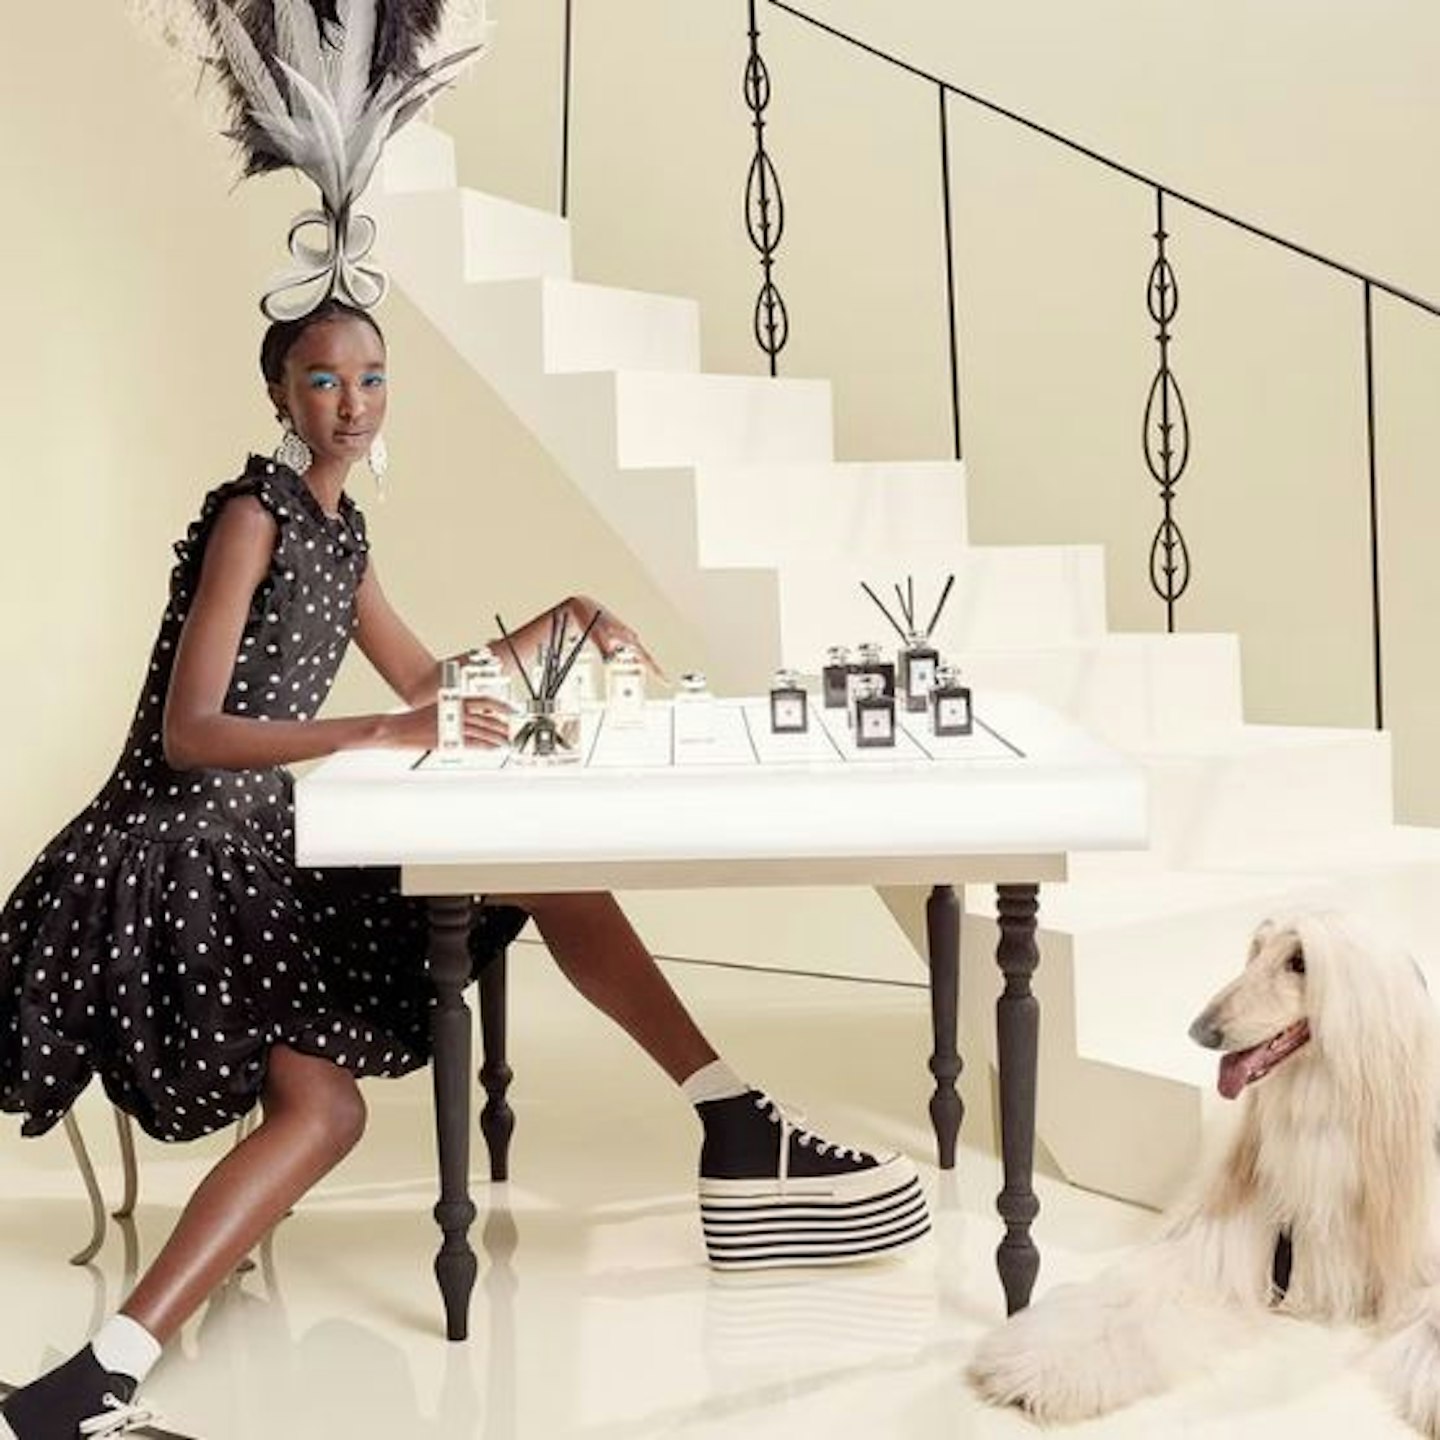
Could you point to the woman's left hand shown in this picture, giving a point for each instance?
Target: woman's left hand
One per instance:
(610, 631)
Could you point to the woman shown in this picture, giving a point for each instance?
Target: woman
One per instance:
(167, 941)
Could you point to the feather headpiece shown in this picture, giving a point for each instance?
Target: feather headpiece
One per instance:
(321, 85)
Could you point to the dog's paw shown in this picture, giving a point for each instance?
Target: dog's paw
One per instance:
(1053, 1384)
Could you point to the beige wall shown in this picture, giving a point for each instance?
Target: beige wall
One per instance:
(127, 383)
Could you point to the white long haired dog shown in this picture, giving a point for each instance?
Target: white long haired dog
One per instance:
(1322, 1205)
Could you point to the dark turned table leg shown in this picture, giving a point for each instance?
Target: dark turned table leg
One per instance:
(455, 1264)
(1017, 1027)
(942, 929)
(497, 1119)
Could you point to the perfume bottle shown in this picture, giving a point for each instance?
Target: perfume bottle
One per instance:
(580, 682)
(450, 714)
(837, 671)
(789, 705)
(950, 708)
(625, 687)
(694, 710)
(871, 661)
(483, 677)
(917, 664)
(874, 713)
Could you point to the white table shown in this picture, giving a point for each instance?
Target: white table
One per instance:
(745, 808)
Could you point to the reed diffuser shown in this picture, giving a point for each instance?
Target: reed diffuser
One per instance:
(546, 735)
(917, 659)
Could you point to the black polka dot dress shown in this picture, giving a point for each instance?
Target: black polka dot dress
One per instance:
(165, 939)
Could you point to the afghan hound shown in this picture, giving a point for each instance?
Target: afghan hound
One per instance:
(1321, 1206)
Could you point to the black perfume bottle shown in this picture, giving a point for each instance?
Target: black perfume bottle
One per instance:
(789, 705)
(837, 671)
(870, 660)
(874, 713)
(950, 709)
(917, 664)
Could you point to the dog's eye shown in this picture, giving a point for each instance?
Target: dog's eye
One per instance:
(1296, 962)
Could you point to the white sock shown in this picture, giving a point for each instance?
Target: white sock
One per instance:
(125, 1347)
(715, 1081)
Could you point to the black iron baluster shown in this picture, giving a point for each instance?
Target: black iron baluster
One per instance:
(949, 269)
(762, 197)
(1166, 435)
(565, 112)
(1374, 507)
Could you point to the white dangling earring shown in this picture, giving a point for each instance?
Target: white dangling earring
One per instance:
(292, 451)
(379, 460)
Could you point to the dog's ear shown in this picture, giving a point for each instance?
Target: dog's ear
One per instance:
(1264, 933)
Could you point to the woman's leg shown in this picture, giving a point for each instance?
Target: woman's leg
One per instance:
(314, 1116)
(772, 1192)
(600, 954)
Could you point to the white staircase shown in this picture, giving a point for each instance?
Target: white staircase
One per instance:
(726, 491)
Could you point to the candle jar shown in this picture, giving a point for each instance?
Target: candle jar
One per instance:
(450, 714)
(874, 713)
(789, 705)
(625, 687)
(835, 677)
(917, 664)
(950, 709)
(694, 710)
(547, 735)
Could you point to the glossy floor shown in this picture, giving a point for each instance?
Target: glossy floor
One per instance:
(595, 1315)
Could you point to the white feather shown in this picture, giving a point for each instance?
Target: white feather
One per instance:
(297, 39)
(249, 69)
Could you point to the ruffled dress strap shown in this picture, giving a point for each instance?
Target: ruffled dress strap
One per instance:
(262, 478)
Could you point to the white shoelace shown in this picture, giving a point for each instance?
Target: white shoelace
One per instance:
(118, 1418)
(792, 1123)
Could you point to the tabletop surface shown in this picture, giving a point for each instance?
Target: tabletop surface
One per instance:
(1026, 782)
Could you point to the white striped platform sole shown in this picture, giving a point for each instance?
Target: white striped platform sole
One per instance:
(757, 1224)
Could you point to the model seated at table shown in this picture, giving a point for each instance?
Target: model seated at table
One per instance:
(167, 941)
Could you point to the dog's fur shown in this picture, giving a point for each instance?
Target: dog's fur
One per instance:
(1336, 1145)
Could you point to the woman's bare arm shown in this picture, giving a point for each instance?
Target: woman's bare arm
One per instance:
(198, 733)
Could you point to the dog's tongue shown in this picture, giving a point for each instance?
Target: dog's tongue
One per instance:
(1237, 1070)
(1239, 1067)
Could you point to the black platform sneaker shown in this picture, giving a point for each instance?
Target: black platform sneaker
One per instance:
(773, 1193)
(79, 1400)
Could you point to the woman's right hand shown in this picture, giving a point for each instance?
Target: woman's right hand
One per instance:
(487, 725)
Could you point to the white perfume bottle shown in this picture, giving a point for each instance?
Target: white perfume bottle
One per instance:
(450, 714)
(581, 682)
(694, 710)
(625, 687)
(483, 677)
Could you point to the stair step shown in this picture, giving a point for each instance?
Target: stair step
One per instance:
(667, 420)
(438, 239)
(865, 513)
(1262, 789)
(600, 327)
(1129, 690)
(416, 157)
